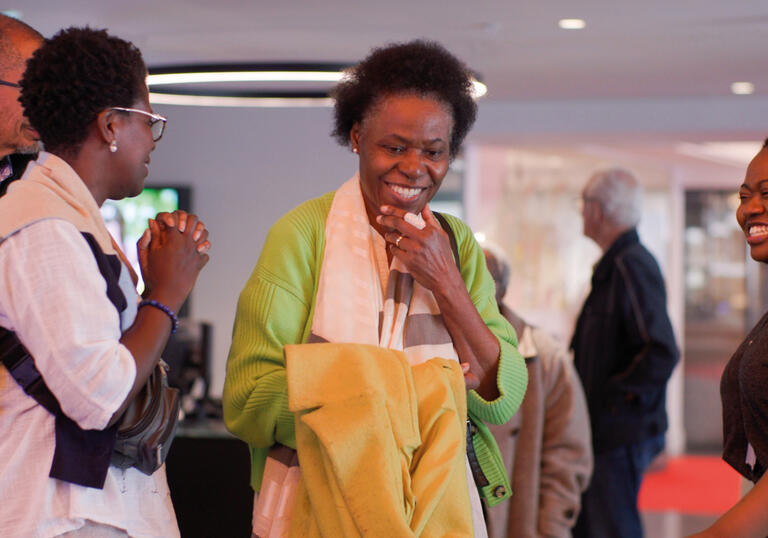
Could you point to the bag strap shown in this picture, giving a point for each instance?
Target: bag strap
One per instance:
(21, 366)
(451, 237)
(80, 456)
(481, 480)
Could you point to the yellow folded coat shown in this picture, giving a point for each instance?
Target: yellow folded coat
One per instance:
(381, 443)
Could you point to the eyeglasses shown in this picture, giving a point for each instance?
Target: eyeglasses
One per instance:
(157, 123)
(11, 84)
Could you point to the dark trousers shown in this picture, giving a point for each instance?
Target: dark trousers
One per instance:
(609, 506)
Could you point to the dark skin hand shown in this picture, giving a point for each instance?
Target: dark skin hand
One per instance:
(170, 262)
(181, 220)
(428, 257)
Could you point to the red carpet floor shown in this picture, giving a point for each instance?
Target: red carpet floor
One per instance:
(703, 485)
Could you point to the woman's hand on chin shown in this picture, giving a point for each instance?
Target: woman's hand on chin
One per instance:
(426, 252)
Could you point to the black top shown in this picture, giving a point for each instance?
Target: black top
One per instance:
(624, 346)
(745, 403)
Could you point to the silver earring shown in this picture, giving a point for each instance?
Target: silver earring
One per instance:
(113, 146)
(354, 150)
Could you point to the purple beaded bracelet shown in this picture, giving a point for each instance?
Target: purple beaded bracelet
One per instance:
(170, 313)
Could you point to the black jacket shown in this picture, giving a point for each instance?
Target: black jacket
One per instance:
(624, 347)
(18, 164)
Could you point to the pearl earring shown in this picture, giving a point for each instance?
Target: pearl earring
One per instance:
(113, 146)
(354, 150)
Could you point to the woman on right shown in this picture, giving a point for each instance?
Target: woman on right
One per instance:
(744, 381)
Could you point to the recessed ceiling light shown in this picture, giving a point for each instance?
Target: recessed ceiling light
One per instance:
(743, 88)
(571, 24)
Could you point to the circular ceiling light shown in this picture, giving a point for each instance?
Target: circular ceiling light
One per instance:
(251, 85)
(13, 13)
(478, 88)
(270, 85)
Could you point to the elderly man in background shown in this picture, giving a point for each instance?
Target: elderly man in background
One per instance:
(624, 351)
(546, 445)
(19, 142)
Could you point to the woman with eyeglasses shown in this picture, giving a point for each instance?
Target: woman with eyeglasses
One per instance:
(68, 295)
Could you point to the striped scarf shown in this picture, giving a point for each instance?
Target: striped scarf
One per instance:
(350, 307)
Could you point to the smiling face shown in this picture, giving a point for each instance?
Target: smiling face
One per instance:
(752, 213)
(403, 144)
(134, 141)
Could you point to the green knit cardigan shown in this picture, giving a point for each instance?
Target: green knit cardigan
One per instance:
(276, 308)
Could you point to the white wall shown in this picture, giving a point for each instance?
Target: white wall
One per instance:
(246, 167)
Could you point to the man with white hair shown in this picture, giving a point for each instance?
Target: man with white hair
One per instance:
(624, 351)
(19, 142)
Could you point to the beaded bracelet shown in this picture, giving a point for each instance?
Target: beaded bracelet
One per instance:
(170, 313)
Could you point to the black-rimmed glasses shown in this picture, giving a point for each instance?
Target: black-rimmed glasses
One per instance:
(11, 84)
(157, 123)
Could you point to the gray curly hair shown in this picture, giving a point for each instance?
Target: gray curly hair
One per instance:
(619, 195)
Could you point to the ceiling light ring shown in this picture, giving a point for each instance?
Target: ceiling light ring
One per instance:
(169, 81)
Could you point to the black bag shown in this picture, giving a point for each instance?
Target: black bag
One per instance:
(493, 489)
(148, 425)
(143, 436)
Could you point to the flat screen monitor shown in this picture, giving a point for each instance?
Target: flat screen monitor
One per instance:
(126, 219)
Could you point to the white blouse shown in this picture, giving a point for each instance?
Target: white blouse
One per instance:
(54, 297)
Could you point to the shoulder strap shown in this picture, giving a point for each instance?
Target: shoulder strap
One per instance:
(80, 456)
(451, 237)
(21, 366)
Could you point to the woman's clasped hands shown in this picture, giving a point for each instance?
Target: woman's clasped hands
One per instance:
(172, 252)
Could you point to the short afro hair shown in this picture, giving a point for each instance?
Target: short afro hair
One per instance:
(418, 67)
(72, 77)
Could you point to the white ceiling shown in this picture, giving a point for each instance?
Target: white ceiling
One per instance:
(634, 50)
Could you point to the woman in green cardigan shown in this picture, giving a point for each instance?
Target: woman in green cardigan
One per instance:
(404, 111)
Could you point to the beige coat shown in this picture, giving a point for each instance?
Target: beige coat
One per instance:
(546, 445)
